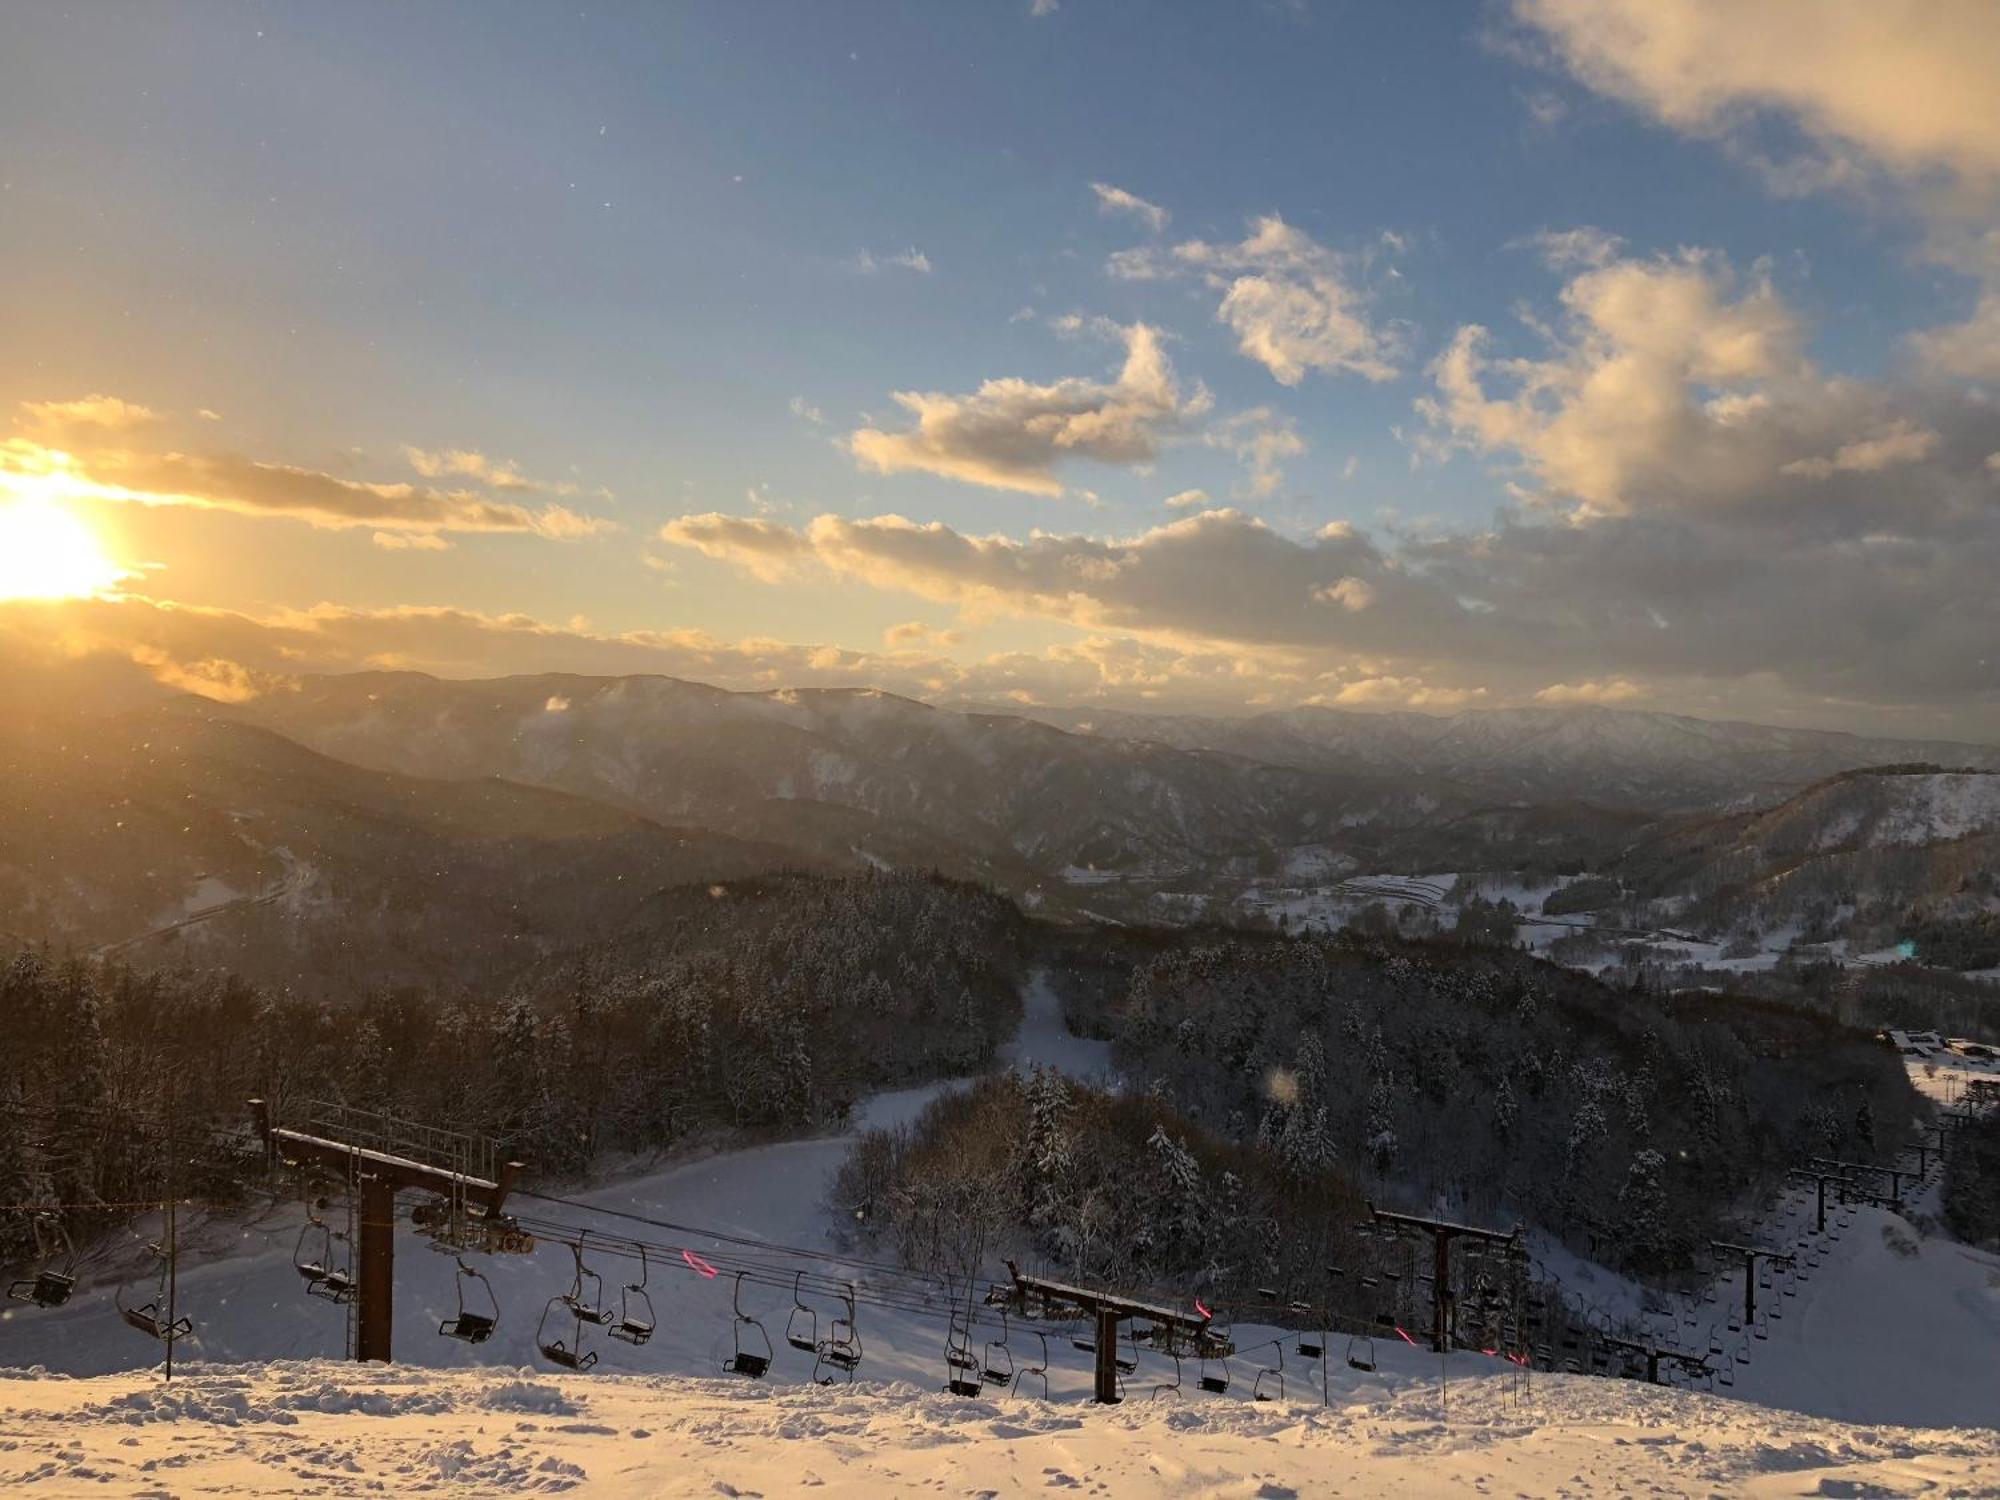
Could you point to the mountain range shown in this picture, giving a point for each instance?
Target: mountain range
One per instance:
(385, 809)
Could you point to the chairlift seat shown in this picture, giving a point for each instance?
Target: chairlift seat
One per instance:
(148, 1320)
(47, 1289)
(470, 1328)
(959, 1387)
(559, 1353)
(1311, 1348)
(750, 1366)
(997, 1377)
(801, 1343)
(1215, 1383)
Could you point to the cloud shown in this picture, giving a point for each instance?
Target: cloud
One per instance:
(806, 411)
(1188, 499)
(102, 413)
(1262, 439)
(1396, 692)
(766, 549)
(913, 633)
(1011, 434)
(1291, 302)
(1900, 442)
(247, 486)
(1972, 348)
(1657, 372)
(1115, 200)
(910, 259)
(1039, 8)
(1349, 593)
(1720, 585)
(1567, 249)
(410, 541)
(1902, 89)
(499, 473)
(1610, 690)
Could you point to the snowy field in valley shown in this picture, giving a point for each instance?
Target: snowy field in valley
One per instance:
(324, 1429)
(1893, 1330)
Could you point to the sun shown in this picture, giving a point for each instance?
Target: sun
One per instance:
(47, 552)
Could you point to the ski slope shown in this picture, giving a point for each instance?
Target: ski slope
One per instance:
(1879, 1336)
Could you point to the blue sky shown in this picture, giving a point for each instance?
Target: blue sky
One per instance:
(664, 261)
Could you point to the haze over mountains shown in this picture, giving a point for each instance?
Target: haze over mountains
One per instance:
(1619, 757)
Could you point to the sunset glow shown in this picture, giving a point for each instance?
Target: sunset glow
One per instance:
(48, 552)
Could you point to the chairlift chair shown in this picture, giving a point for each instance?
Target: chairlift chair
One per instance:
(313, 1259)
(472, 1325)
(1270, 1382)
(571, 1355)
(753, 1361)
(840, 1352)
(802, 1324)
(635, 1322)
(998, 1364)
(1361, 1354)
(1126, 1364)
(149, 1317)
(55, 1279)
(1214, 1374)
(586, 1293)
(1037, 1371)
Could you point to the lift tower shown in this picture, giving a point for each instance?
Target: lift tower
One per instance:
(383, 1156)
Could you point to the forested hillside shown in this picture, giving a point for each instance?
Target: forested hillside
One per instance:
(750, 1008)
(1632, 1123)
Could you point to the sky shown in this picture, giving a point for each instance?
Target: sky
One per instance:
(1184, 357)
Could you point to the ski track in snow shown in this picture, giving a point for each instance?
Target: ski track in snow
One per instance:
(1882, 1337)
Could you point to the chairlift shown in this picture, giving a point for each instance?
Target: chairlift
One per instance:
(1270, 1382)
(586, 1293)
(149, 1317)
(1039, 1370)
(962, 1371)
(802, 1325)
(840, 1352)
(752, 1362)
(1214, 1374)
(1361, 1354)
(571, 1355)
(312, 1258)
(998, 1365)
(472, 1325)
(1312, 1346)
(55, 1279)
(635, 1322)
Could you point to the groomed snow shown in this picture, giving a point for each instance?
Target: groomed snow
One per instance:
(328, 1429)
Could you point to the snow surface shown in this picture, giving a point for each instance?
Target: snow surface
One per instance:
(317, 1428)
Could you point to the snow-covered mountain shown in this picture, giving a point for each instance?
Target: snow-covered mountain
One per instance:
(1892, 855)
(844, 773)
(1617, 757)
